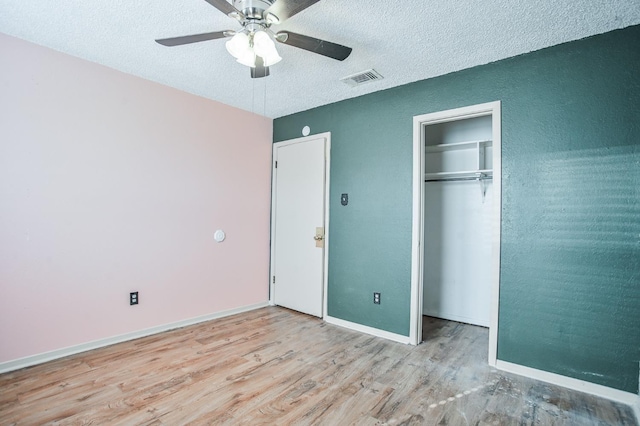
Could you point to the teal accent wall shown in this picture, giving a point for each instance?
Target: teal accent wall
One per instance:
(570, 261)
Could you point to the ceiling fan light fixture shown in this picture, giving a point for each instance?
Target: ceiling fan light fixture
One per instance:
(261, 42)
(264, 47)
(238, 45)
(271, 58)
(247, 58)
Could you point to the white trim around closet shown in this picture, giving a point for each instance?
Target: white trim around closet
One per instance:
(417, 247)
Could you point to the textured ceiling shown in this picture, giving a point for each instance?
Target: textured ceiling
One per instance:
(404, 41)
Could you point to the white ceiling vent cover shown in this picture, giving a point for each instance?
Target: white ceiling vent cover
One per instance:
(362, 78)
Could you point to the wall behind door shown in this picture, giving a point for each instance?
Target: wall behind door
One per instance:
(457, 251)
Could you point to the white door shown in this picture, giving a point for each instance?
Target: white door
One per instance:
(298, 224)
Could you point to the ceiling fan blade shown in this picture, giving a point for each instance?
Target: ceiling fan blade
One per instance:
(259, 70)
(195, 38)
(315, 45)
(223, 6)
(285, 9)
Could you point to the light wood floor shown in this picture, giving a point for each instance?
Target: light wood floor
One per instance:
(275, 366)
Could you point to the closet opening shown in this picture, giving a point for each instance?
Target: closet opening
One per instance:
(456, 221)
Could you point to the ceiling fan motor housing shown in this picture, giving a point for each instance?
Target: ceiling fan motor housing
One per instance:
(253, 9)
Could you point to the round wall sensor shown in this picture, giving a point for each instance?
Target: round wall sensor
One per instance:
(306, 130)
(219, 235)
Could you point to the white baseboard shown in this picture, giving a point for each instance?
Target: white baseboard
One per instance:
(368, 330)
(571, 383)
(83, 347)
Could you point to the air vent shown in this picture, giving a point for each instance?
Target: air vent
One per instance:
(362, 78)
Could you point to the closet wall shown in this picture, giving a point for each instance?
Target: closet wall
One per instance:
(457, 225)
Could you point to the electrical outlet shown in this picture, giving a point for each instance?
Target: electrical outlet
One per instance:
(376, 298)
(133, 298)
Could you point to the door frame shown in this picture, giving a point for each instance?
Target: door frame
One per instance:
(417, 247)
(327, 173)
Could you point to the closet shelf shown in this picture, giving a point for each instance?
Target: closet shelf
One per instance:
(457, 145)
(487, 173)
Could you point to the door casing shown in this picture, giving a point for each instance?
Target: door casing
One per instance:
(417, 246)
(327, 157)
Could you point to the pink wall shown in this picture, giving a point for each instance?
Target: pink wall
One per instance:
(111, 184)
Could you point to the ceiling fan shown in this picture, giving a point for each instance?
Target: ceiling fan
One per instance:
(253, 45)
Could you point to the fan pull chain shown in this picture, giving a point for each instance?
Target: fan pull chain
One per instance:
(253, 95)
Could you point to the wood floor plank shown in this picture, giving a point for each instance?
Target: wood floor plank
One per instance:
(273, 366)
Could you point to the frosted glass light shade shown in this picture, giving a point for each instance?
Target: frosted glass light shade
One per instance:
(262, 43)
(264, 47)
(238, 45)
(245, 48)
(271, 58)
(248, 58)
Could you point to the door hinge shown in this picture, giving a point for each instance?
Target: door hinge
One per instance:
(276, 164)
(274, 279)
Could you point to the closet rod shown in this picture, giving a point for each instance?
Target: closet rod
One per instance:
(453, 179)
